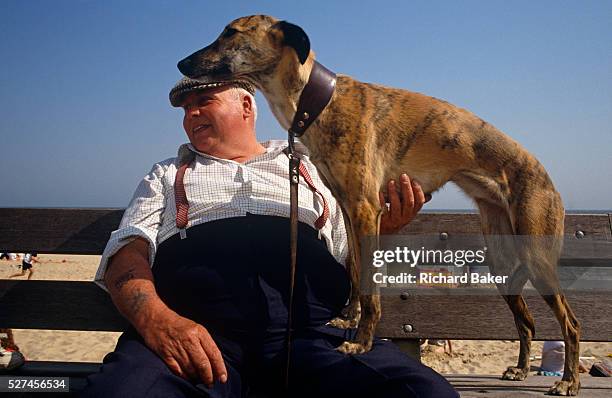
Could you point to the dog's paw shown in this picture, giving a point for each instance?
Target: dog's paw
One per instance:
(352, 348)
(342, 323)
(564, 387)
(514, 373)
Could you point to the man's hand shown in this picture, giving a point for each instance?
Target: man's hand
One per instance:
(185, 346)
(404, 205)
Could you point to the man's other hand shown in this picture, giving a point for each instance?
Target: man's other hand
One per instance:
(405, 200)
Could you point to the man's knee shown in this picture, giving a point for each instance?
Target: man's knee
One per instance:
(136, 382)
(132, 370)
(425, 385)
(410, 378)
(384, 371)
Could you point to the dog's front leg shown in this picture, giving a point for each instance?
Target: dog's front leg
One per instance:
(352, 313)
(364, 229)
(370, 315)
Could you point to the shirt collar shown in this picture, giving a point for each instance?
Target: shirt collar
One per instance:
(187, 151)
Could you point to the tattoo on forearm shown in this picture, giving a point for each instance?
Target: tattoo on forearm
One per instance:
(138, 300)
(124, 278)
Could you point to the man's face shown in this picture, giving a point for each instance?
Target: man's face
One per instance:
(213, 119)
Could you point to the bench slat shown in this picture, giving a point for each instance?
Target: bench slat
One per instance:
(60, 305)
(595, 226)
(84, 306)
(86, 231)
(56, 369)
(487, 317)
(469, 386)
(61, 231)
(477, 386)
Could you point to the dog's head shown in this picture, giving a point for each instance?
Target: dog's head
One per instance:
(249, 48)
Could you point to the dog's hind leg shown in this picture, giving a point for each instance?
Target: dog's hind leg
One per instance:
(570, 382)
(502, 251)
(526, 330)
(363, 216)
(541, 254)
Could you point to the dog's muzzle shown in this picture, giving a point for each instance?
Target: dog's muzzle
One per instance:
(186, 66)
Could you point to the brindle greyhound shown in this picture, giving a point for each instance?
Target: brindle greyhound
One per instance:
(369, 133)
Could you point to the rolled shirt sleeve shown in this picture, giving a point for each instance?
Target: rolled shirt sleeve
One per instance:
(142, 218)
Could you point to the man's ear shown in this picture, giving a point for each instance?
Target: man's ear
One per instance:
(247, 105)
(295, 37)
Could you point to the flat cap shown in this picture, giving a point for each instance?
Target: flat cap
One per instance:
(187, 85)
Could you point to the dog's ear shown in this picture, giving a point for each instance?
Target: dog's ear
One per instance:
(295, 37)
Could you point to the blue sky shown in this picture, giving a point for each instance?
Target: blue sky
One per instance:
(84, 112)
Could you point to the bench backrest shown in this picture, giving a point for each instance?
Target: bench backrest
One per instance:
(69, 305)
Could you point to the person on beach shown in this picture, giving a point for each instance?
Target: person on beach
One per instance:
(26, 265)
(7, 340)
(10, 357)
(9, 256)
(199, 266)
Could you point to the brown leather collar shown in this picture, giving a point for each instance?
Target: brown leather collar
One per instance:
(314, 98)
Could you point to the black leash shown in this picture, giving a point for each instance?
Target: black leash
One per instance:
(314, 98)
(294, 180)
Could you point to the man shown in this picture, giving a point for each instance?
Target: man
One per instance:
(26, 265)
(199, 267)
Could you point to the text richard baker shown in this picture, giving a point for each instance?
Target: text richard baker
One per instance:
(439, 278)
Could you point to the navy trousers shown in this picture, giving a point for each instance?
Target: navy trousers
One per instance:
(232, 277)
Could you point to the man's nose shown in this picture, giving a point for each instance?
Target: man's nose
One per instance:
(192, 111)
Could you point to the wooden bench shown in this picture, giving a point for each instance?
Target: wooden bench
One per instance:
(407, 317)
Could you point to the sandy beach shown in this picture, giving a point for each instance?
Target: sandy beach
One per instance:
(468, 357)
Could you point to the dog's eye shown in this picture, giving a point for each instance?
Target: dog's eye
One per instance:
(229, 32)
